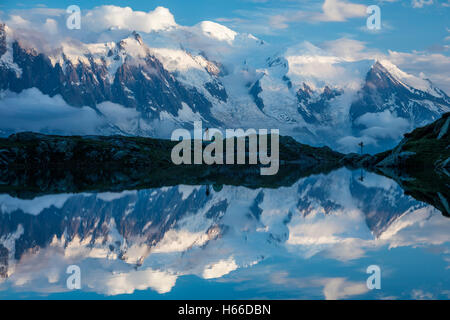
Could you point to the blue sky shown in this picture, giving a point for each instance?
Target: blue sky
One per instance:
(407, 25)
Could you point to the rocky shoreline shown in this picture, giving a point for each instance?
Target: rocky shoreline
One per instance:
(33, 164)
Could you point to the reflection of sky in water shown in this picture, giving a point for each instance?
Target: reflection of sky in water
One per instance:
(313, 239)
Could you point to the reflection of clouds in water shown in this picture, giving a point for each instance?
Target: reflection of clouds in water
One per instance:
(340, 288)
(331, 288)
(317, 231)
(344, 235)
(421, 227)
(317, 217)
(128, 282)
(219, 268)
(44, 272)
(418, 294)
(372, 180)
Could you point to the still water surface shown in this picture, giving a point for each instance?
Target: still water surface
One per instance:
(311, 240)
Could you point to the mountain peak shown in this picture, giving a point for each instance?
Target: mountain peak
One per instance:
(217, 31)
(209, 71)
(137, 37)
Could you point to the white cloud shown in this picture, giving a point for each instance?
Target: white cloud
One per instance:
(219, 269)
(430, 65)
(18, 21)
(281, 21)
(318, 67)
(340, 288)
(332, 11)
(216, 31)
(107, 17)
(383, 125)
(33, 111)
(126, 119)
(340, 10)
(35, 25)
(51, 26)
(422, 64)
(350, 49)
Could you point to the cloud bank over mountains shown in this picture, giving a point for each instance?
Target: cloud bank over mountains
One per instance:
(34, 25)
(235, 78)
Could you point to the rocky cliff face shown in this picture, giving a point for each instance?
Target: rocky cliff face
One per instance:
(314, 108)
(383, 91)
(2, 39)
(173, 82)
(140, 82)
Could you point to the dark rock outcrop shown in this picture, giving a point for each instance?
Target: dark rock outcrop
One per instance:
(32, 164)
(255, 90)
(2, 39)
(424, 148)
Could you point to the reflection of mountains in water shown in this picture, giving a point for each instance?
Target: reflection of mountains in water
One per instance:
(34, 164)
(191, 229)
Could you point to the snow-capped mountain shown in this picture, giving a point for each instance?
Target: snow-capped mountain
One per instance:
(388, 88)
(125, 73)
(186, 230)
(152, 81)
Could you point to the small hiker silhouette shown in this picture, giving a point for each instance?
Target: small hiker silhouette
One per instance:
(361, 144)
(361, 178)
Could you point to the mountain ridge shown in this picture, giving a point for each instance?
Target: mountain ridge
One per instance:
(174, 83)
